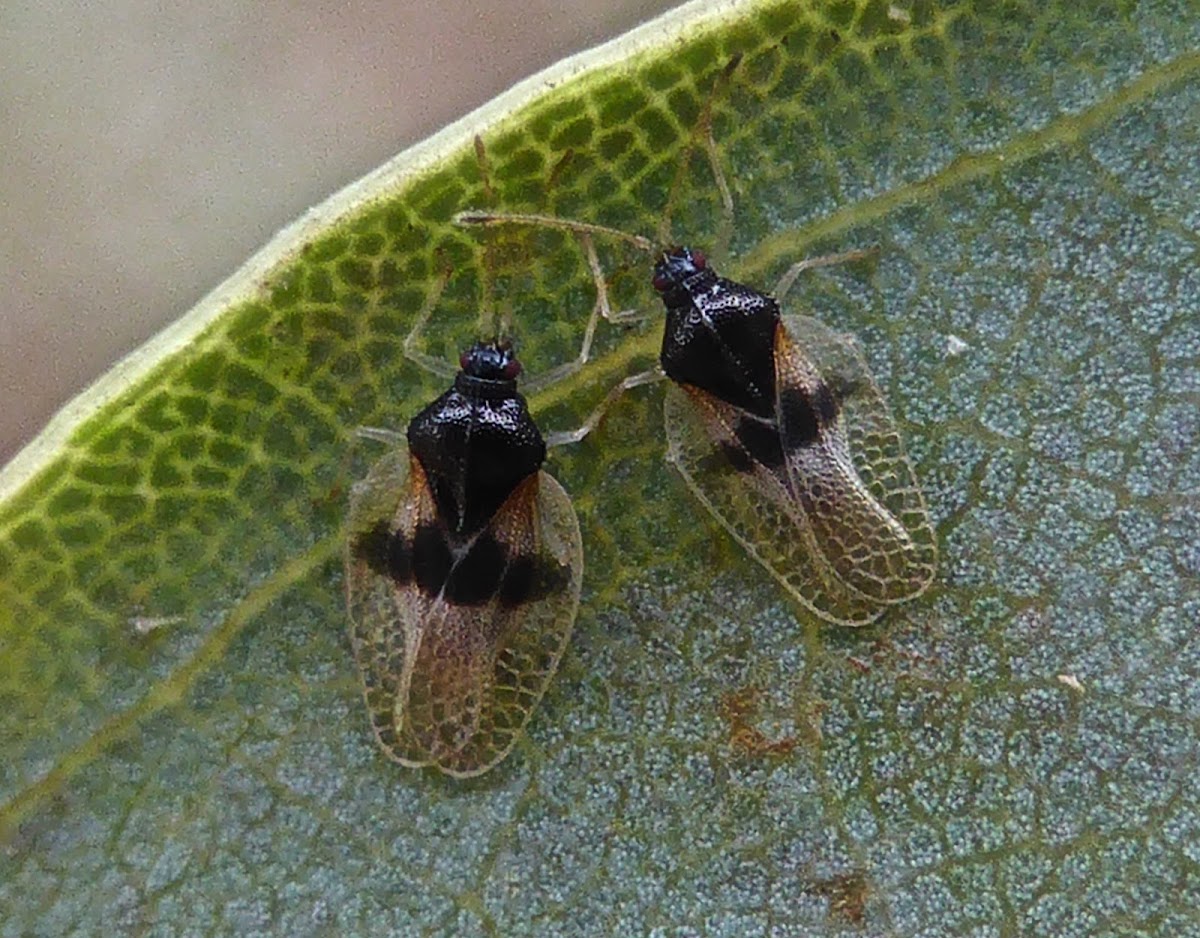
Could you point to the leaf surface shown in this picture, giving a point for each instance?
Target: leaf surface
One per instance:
(1014, 753)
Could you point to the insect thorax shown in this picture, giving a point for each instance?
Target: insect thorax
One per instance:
(720, 337)
(476, 443)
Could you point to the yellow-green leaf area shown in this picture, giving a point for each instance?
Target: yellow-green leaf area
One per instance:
(1013, 754)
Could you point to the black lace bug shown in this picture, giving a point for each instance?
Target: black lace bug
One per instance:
(463, 571)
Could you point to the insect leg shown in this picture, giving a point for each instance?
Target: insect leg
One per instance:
(380, 435)
(430, 363)
(600, 309)
(825, 260)
(574, 436)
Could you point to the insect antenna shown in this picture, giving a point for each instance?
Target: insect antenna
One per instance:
(702, 134)
(486, 218)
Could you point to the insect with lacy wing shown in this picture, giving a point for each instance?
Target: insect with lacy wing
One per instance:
(779, 431)
(463, 570)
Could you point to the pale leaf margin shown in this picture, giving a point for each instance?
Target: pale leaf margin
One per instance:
(689, 20)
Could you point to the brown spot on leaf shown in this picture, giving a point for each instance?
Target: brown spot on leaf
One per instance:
(847, 894)
(739, 709)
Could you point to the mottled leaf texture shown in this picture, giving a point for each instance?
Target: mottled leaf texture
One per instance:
(1012, 753)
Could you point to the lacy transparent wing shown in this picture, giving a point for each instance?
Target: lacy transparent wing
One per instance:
(453, 685)
(857, 484)
(842, 524)
(755, 507)
(383, 500)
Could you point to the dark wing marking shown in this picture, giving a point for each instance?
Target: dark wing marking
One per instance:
(753, 503)
(840, 520)
(449, 683)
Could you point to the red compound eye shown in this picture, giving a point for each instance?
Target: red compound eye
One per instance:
(660, 282)
(512, 368)
(463, 360)
(699, 260)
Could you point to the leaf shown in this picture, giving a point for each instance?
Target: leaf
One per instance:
(1015, 753)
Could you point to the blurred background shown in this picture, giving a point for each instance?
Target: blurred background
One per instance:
(149, 149)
